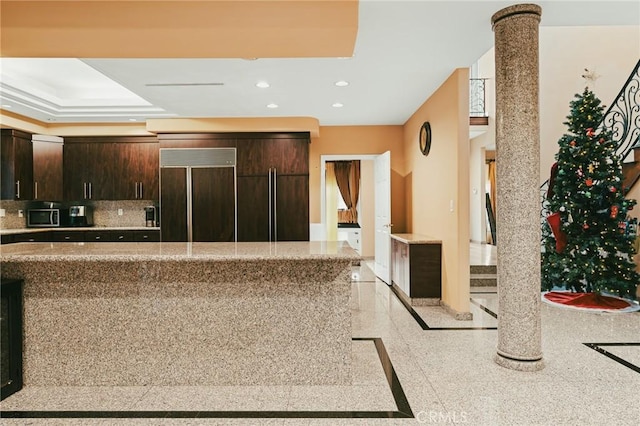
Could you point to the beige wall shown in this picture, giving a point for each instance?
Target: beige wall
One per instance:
(349, 140)
(435, 182)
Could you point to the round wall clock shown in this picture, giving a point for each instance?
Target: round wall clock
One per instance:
(425, 138)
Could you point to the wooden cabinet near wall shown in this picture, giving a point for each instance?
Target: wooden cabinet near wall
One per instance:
(16, 165)
(47, 170)
(273, 187)
(416, 268)
(111, 168)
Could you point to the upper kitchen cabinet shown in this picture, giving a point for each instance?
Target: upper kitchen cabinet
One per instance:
(17, 165)
(111, 168)
(47, 170)
(287, 153)
(197, 140)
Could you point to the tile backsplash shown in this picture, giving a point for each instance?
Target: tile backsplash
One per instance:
(105, 213)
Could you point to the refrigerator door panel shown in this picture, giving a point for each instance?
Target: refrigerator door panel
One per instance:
(173, 204)
(213, 204)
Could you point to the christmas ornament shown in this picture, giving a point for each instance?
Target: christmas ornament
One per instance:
(587, 194)
(601, 140)
(591, 168)
(560, 236)
(590, 132)
(612, 189)
(589, 182)
(572, 143)
(585, 225)
(614, 211)
(580, 172)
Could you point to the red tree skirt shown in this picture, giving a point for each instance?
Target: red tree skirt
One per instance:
(586, 300)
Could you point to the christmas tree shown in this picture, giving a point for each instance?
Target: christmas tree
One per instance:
(590, 248)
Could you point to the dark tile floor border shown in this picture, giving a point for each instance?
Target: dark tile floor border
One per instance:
(598, 348)
(403, 408)
(426, 326)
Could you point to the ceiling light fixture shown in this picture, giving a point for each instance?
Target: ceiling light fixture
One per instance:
(341, 83)
(6, 106)
(262, 84)
(272, 106)
(337, 105)
(132, 119)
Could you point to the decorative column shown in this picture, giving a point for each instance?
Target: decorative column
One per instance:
(518, 181)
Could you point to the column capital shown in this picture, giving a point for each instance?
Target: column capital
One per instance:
(516, 9)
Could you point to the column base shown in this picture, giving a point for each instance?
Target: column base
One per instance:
(518, 365)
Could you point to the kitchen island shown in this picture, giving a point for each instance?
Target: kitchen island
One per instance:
(131, 314)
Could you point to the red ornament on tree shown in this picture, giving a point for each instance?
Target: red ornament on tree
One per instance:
(572, 143)
(590, 132)
(589, 182)
(585, 226)
(601, 140)
(614, 211)
(612, 189)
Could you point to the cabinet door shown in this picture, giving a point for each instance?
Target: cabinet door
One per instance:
(147, 163)
(173, 204)
(289, 156)
(24, 168)
(103, 170)
(213, 204)
(253, 208)
(47, 170)
(74, 171)
(17, 165)
(252, 157)
(292, 208)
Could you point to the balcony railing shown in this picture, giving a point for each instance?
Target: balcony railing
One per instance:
(477, 98)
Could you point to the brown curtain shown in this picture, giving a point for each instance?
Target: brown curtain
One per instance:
(348, 179)
(492, 181)
(354, 186)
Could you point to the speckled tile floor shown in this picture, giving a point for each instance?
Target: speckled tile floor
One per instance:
(447, 376)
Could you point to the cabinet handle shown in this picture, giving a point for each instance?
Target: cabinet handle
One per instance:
(121, 237)
(90, 191)
(84, 190)
(136, 190)
(67, 237)
(141, 190)
(17, 189)
(35, 190)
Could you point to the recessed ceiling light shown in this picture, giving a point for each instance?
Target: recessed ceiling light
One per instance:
(262, 84)
(132, 119)
(272, 106)
(6, 106)
(341, 83)
(337, 105)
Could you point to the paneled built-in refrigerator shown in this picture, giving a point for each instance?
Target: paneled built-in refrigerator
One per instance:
(198, 195)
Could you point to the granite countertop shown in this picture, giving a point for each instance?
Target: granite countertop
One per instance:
(177, 251)
(415, 239)
(88, 228)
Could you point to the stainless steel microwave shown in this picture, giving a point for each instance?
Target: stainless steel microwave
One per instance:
(44, 218)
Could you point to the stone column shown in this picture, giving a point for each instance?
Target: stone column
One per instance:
(518, 181)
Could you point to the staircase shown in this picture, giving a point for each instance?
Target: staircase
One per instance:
(631, 171)
(484, 276)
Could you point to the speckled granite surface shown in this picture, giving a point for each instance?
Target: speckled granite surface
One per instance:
(184, 314)
(415, 239)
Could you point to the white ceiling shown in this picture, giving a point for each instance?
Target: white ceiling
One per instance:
(404, 51)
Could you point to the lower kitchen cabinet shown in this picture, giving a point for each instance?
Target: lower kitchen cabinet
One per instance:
(104, 235)
(11, 347)
(416, 266)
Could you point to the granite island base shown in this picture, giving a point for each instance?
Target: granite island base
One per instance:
(127, 314)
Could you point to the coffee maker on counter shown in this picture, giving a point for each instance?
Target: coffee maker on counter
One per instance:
(80, 216)
(151, 216)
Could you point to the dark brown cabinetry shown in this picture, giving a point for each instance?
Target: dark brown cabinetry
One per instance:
(416, 266)
(273, 187)
(111, 168)
(11, 332)
(47, 170)
(17, 165)
(272, 181)
(105, 235)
